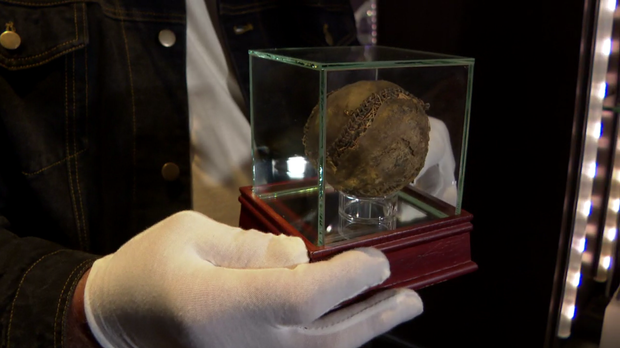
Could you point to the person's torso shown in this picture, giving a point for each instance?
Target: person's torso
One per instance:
(94, 138)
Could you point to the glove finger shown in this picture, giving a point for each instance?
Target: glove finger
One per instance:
(310, 290)
(252, 249)
(359, 323)
(233, 247)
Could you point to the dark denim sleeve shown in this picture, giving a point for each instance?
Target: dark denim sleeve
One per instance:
(92, 106)
(36, 287)
(37, 273)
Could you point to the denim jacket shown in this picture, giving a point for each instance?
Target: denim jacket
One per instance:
(92, 106)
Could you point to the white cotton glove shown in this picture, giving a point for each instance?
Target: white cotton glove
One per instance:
(190, 281)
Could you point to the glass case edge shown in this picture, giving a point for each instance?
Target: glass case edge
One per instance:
(252, 142)
(271, 51)
(284, 59)
(397, 64)
(452, 61)
(321, 159)
(465, 140)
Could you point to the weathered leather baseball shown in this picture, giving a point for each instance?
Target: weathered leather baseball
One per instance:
(377, 137)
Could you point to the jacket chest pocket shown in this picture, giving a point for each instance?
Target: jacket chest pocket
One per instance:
(43, 82)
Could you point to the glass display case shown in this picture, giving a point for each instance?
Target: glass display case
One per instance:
(353, 141)
(363, 146)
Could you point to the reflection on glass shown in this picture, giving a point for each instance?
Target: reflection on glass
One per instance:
(366, 21)
(437, 178)
(298, 207)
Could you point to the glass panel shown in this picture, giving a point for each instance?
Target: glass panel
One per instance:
(446, 91)
(279, 111)
(389, 139)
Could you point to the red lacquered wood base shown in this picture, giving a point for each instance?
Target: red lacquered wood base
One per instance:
(419, 255)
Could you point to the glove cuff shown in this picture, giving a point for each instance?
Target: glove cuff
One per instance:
(96, 323)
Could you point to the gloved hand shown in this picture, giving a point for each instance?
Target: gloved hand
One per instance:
(189, 281)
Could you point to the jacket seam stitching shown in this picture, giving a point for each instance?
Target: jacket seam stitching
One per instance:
(179, 21)
(75, 158)
(86, 232)
(133, 106)
(64, 313)
(91, 1)
(60, 301)
(8, 335)
(43, 53)
(55, 47)
(53, 164)
(73, 199)
(143, 12)
(17, 67)
(75, 21)
(35, 4)
(85, 66)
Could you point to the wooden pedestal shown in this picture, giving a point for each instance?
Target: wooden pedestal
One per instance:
(419, 255)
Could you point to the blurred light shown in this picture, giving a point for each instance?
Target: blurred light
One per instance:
(329, 228)
(602, 91)
(570, 312)
(296, 167)
(592, 229)
(576, 279)
(578, 254)
(615, 206)
(587, 258)
(611, 234)
(597, 132)
(606, 47)
(606, 262)
(587, 208)
(611, 5)
(591, 172)
(581, 245)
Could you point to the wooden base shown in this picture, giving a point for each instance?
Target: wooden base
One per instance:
(419, 255)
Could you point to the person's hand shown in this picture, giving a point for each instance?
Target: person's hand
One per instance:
(189, 281)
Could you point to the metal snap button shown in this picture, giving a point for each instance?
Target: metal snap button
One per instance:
(9, 39)
(170, 171)
(243, 29)
(167, 38)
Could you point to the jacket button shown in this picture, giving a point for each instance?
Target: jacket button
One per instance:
(10, 40)
(167, 38)
(170, 171)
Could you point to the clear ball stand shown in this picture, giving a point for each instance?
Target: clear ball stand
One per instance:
(364, 215)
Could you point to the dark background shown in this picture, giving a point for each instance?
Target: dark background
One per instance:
(527, 112)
